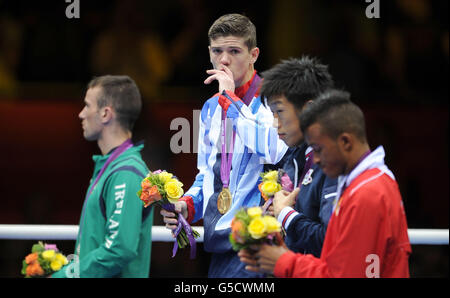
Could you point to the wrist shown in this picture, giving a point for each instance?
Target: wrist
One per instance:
(285, 216)
(188, 209)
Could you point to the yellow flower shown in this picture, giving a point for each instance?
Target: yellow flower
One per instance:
(270, 188)
(254, 212)
(61, 258)
(48, 255)
(257, 228)
(165, 177)
(56, 265)
(271, 176)
(174, 190)
(272, 225)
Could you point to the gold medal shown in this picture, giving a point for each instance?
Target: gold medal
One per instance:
(224, 201)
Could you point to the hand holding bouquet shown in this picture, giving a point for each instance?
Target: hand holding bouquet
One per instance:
(250, 226)
(164, 189)
(44, 260)
(273, 182)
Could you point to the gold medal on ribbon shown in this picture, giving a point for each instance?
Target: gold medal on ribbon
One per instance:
(224, 201)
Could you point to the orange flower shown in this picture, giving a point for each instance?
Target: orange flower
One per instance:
(34, 269)
(151, 195)
(146, 184)
(262, 193)
(237, 229)
(31, 258)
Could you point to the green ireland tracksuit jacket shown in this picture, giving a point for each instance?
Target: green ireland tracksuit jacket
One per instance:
(114, 237)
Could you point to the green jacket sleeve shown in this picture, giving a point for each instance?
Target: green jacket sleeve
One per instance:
(122, 228)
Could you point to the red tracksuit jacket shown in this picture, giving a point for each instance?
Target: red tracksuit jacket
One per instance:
(366, 237)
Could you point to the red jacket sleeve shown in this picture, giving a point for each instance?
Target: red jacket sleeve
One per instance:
(291, 264)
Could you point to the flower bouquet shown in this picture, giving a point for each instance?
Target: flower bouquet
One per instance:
(44, 260)
(272, 182)
(250, 226)
(164, 189)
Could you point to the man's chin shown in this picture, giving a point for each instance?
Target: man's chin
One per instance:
(89, 138)
(329, 174)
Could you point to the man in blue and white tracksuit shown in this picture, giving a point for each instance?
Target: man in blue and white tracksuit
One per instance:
(238, 107)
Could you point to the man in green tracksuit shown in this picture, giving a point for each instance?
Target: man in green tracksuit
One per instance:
(114, 237)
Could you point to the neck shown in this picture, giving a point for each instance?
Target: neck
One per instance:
(108, 141)
(356, 157)
(248, 76)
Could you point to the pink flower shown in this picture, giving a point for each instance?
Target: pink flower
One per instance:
(50, 246)
(286, 183)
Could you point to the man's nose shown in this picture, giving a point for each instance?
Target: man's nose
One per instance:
(225, 59)
(276, 123)
(80, 115)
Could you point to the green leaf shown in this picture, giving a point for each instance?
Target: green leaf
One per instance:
(24, 268)
(243, 216)
(39, 247)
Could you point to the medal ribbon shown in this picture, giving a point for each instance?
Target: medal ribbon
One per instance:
(122, 148)
(226, 158)
(182, 224)
(308, 164)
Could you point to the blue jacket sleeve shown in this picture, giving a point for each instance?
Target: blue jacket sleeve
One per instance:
(306, 228)
(204, 150)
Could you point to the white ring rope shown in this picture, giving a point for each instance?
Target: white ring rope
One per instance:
(161, 234)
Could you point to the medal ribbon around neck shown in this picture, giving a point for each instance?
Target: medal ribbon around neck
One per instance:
(227, 157)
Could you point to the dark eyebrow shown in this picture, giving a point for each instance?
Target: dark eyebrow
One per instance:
(275, 103)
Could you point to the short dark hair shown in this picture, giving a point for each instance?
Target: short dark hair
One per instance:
(235, 25)
(336, 114)
(122, 94)
(299, 80)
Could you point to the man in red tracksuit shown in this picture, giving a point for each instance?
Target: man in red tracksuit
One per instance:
(367, 232)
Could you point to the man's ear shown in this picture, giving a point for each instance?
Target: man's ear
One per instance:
(255, 54)
(306, 104)
(346, 141)
(107, 114)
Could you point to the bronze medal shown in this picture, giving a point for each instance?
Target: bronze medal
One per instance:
(224, 201)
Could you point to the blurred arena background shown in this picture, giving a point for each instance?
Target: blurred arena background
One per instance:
(395, 66)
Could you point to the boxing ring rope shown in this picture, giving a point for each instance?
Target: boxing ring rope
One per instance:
(161, 234)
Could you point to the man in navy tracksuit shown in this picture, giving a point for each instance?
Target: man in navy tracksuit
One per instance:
(288, 87)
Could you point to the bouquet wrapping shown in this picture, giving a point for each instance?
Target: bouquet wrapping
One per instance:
(272, 182)
(44, 260)
(164, 189)
(250, 226)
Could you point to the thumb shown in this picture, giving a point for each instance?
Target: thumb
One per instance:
(295, 192)
(292, 197)
(177, 207)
